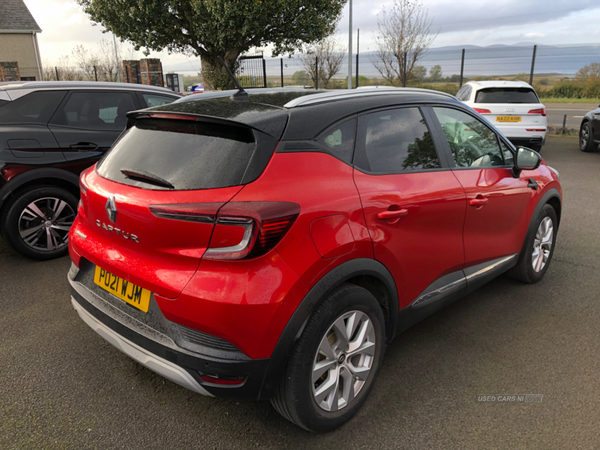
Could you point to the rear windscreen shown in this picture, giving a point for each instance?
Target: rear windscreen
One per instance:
(195, 155)
(506, 95)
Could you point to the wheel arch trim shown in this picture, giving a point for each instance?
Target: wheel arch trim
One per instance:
(33, 175)
(327, 283)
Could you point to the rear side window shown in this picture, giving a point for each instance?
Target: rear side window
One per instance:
(339, 140)
(95, 111)
(506, 95)
(196, 155)
(395, 141)
(36, 107)
(157, 100)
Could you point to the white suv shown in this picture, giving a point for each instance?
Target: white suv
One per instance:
(513, 107)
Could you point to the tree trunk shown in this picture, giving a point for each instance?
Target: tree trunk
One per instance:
(214, 74)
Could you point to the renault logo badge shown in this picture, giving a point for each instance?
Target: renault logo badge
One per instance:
(111, 208)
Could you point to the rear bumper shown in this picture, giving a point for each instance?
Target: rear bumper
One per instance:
(528, 141)
(163, 356)
(151, 361)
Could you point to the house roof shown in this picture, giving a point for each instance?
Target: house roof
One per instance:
(15, 17)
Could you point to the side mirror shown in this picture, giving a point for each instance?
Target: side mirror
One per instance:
(526, 159)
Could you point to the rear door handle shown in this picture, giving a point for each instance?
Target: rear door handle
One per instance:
(387, 215)
(480, 200)
(88, 146)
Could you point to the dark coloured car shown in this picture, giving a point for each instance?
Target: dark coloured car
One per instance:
(49, 133)
(589, 131)
(271, 247)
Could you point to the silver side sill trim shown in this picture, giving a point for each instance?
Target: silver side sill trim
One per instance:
(161, 366)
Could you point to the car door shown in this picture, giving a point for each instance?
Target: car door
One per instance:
(88, 122)
(496, 219)
(24, 134)
(414, 206)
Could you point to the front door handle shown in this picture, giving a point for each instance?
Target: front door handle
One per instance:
(87, 146)
(480, 200)
(390, 215)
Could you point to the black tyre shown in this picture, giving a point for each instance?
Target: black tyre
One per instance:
(333, 365)
(586, 140)
(538, 250)
(37, 223)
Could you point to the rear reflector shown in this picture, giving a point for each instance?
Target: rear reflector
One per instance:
(536, 129)
(222, 381)
(482, 111)
(541, 111)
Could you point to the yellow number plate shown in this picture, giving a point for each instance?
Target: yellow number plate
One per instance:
(508, 119)
(126, 291)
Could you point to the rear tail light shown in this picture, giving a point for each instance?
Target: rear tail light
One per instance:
(482, 111)
(535, 129)
(243, 230)
(541, 111)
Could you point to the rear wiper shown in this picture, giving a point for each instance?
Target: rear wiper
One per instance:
(146, 177)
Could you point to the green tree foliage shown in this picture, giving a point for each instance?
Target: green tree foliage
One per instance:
(300, 77)
(212, 28)
(435, 73)
(418, 73)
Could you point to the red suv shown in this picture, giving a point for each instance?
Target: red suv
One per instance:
(270, 248)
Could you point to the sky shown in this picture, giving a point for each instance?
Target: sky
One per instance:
(457, 22)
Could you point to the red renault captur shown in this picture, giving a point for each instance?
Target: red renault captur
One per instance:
(270, 247)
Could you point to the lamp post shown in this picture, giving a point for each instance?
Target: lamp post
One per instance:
(350, 48)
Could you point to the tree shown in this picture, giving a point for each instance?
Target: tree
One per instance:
(405, 30)
(435, 73)
(419, 72)
(213, 28)
(329, 59)
(300, 77)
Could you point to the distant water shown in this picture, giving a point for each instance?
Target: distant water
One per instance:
(482, 61)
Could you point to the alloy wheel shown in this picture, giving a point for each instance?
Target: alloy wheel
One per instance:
(542, 244)
(583, 139)
(44, 224)
(343, 361)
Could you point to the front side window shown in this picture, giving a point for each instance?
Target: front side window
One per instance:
(473, 144)
(396, 141)
(95, 111)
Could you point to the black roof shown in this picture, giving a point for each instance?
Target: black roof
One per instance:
(14, 16)
(268, 110)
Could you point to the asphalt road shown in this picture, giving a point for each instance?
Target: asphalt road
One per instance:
(573, 111)
(62, 386)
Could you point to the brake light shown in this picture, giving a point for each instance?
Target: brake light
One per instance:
(482, 111)
(191, 212)
(173, 116)
(541, 111)
(261, 226)
(243, 230)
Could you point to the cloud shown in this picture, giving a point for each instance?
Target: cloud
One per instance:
(534, 35)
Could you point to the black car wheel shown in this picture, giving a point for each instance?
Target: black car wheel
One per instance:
(37, 224)
(586, 141)
(539, 248)
(334, 363)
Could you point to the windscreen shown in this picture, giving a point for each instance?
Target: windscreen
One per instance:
(507, 95)
(175, 154)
